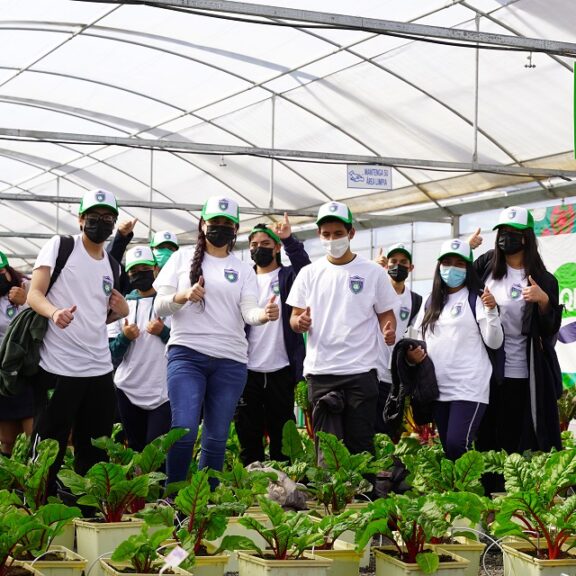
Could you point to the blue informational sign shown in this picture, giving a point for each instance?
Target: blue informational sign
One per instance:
(369, 176)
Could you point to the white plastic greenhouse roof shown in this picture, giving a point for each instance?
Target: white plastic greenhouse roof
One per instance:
(81, 81)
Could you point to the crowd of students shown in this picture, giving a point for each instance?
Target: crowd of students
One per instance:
(182, 336)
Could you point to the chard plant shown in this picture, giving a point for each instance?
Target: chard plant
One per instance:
(300, 451)
(290, 534)
(109, 488)
(141, 550)
(331, 527)
(535, 488)
(410, 523)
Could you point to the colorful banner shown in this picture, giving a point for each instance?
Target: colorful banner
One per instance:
(556, 227)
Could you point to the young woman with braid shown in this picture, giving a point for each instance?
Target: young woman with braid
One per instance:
(211, 295)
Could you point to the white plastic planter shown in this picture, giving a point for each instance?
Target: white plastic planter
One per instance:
(210, 565)
(72, 565)
(67, 537)
(98, 539)
(518, 563)
(387, 565)
(251, 565)
(467, 548)
(345, 559)
(110, 568)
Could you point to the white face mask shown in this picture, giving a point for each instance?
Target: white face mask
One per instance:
(336, 248)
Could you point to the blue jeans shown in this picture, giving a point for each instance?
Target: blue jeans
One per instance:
(201, 385)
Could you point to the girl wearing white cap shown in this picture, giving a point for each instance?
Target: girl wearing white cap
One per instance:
(523, 411)
(210, 294)
(138, 343)
(457, 322)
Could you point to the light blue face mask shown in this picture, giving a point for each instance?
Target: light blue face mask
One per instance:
(452, 275)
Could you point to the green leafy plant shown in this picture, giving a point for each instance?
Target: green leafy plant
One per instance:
(331, 527)
(109, 488)
(535, 487)
(300, 451)
(303, 402)
(141, 550)
(410, 523)
(567, 407)
(290, 534)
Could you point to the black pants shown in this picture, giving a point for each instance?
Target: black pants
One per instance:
(85, 406)
(142, 426)
(266, 404)
(360, 400)
(458, 422)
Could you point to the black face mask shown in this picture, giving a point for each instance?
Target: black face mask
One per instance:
(5, 285)
(398, 272)
(98, 232)
(142, 280)
(220, 235)
(509, 243)
(262, 256)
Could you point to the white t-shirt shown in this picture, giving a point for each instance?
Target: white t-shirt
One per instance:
(80, 349)
(216, 326)
(402, 311)
(508, 294)
(456, 348)
(266, 347)
(344, 302)
(142, 373)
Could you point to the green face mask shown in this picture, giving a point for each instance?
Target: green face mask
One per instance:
(162, 255)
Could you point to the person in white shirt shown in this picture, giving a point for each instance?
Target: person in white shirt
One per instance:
(16, 412)
(456, 337)
(210, 295)
(74, 356)
(398, 264)
(342, 301)
(138, 345)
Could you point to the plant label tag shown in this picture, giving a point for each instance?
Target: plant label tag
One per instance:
(175, 558)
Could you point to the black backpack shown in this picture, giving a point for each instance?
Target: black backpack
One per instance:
(20, 348)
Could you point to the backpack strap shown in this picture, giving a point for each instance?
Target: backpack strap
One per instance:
(64, 251)
(415, 307)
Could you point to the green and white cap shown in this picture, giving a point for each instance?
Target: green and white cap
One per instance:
(265, 230)
(334, 210)
(400, 247)
(139, 255)
(220, 206)
(516, 217)
(95, 198)
(164, 236)
(456, 247)
(3, 260)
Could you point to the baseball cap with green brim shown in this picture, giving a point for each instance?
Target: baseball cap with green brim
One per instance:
(399, 248)
(3, 260)
(219, 206)
(334, 210)
(164, 236)
(516, 217)
(139, 255)
(98, 198)
(456, 247)
(266, 230)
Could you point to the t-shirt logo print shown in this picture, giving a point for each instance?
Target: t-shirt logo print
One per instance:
(11, 311)
(456, 310)
(404, 313)
(100, 196)
(107, 285)
(356, 284)
(515, 291)
(231, 275)
(275, 287)
(223, 204)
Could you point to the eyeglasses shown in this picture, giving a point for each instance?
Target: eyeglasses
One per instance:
(106, 218)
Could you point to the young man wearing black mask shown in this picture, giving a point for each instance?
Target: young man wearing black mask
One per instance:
(398, 262)
(74, 358)
(275, 351)
(138, 345)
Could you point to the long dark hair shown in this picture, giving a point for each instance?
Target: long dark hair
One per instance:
(533, 264)
(200, 250)
(440, 295)
(15, 275)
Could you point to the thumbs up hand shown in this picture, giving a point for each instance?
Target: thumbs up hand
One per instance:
(197, 292)
(476, 239)
(488, 299)
(304, 321)
(271, 311)
(283, 228)
(533, 293)
(131, 331)
(63, 316)
(381, 258)
(389, 333)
